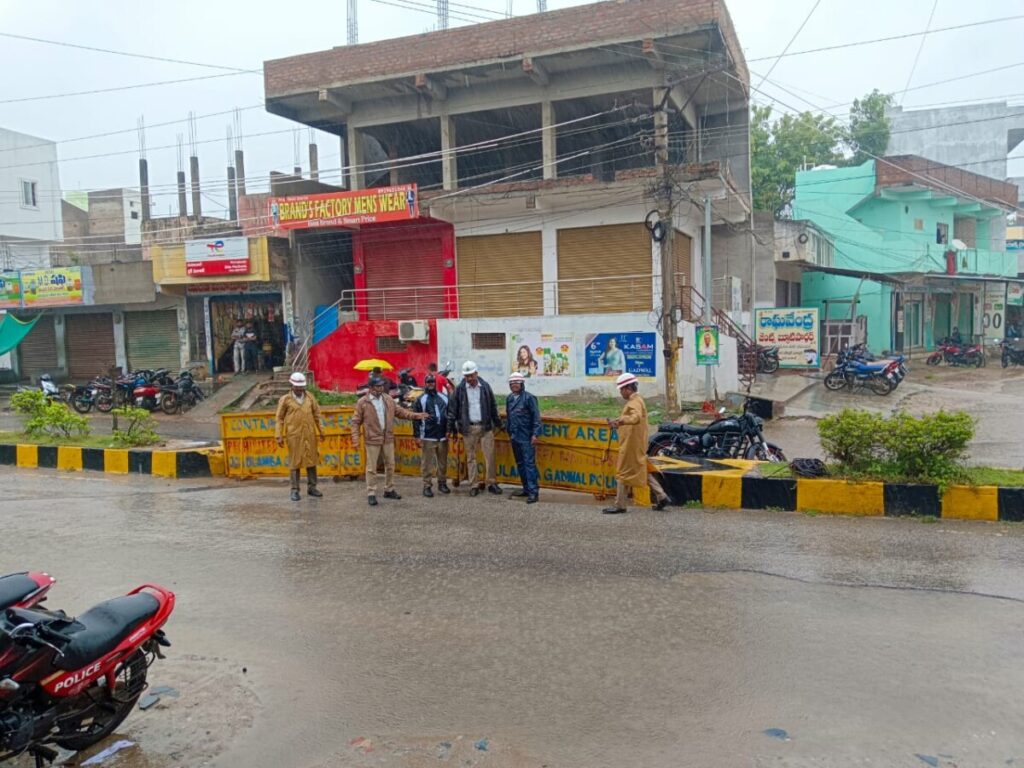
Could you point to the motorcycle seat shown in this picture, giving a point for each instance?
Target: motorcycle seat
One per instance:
(686, 429)
(100, 629)
(15, 587)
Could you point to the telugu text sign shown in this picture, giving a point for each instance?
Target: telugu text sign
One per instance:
(217, 256)
(52, 287)
(795, 331)
(345, 209)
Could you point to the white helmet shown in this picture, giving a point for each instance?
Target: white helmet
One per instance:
(625, 380)
(516, 376)
(469, 367)
(297, 379)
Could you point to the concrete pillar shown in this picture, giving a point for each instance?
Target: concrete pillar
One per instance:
(343, 179)
(549, 267)
(314, 163)
(449, 164)
(660, 129)
(144, 187)
(197, 202)
(182, 196)
(120, 342)
(232, 195)
(240, 171)
(393, 166)
(59, 331)
(549, 140)
(356, 175)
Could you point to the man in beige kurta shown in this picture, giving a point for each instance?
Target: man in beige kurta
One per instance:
(631, 471)
(298, 424)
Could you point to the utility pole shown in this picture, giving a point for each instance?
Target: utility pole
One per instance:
(669, 332)
(706, 275)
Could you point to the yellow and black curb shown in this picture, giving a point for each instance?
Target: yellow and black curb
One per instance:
(728, 484)
(201, 462)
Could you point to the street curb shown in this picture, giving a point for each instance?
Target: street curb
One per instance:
(202, 462)
(841, 497)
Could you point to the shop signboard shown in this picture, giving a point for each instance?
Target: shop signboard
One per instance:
(345, 209)
(707, 345)
(795, 331)
(608, 355)
(217, 256)
(1015, 294)
(52, 287)
(543, 354)
(10, 290)
(228, 289)
(994, 309)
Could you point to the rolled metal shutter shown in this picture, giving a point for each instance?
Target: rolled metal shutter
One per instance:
(682, 252)
(89, 341)
(37, 353)
(589, 258)
(500, 275)
(151, 340)
(394, 269)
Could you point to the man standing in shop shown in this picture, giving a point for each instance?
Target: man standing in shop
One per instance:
(375, 415)
(473, 412)
(252, 348)
(631, 470)
(522, 423)
(298, 423)
(238, 345)
(432, 436)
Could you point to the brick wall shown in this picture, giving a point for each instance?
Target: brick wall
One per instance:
(902, 170)
(533, 34)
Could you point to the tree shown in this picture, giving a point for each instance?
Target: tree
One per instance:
(869, 129)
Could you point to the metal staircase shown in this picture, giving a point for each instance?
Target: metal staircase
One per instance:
(746, 350)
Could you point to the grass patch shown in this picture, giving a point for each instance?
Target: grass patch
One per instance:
(1006, 478)
(693, 504)
(333, 397)
(1013, 478)
(91, 441)
(778, 471)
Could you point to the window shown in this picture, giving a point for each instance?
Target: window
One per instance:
(488, 341)
(941, 233)
(390, 344)
(29, 194)
(135, 214)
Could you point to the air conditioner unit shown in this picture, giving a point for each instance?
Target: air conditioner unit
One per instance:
(413, 330)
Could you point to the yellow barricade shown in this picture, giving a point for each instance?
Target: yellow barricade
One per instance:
(574, 454)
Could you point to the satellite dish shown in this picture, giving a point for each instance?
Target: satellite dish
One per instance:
(960, 245)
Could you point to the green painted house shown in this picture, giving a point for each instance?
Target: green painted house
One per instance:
(902, 250)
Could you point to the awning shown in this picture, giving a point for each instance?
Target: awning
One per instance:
(13, 330)
(860, 274)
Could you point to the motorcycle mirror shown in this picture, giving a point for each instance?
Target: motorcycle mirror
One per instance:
(721, 410)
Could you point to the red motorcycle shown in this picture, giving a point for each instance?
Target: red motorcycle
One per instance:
(25, 589)
(957, 354)
(72, 681)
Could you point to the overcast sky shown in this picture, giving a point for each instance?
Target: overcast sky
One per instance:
(243, 35)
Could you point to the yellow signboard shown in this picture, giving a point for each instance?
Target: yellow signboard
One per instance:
(52, 287)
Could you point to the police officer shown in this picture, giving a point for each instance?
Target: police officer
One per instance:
(522, 422)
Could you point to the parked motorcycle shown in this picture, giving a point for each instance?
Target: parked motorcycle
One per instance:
(728, 437)
(957, 354)
(96, 394)
(72, 681)
(182, 395)
(149, 390)
(1011, 353)
(860, 353)
(25, 589)
(767, 359)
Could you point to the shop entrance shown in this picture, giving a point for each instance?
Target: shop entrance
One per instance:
(265, 312)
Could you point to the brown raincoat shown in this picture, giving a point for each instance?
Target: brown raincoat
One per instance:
(631, 469)
(299, 424)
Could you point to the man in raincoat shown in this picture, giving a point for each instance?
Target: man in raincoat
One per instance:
(522, 422)
(631, 471)
(298, 423)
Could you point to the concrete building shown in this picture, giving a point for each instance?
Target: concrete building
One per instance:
(109, 229)
(534, 148)
(30, 200)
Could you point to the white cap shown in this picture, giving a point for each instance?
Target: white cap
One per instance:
(469, 367)
(625, 380)
(297, 379)
(516, 376)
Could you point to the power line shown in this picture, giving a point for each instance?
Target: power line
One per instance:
(920, 47)
(792, 40)
(114, 89)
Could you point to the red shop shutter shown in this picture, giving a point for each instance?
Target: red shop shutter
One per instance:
(404, 278)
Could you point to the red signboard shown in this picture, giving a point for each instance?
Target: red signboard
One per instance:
(345, 209)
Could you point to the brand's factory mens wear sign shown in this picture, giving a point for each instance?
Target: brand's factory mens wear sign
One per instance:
(219, 256)
(345, 209)
(796, 332)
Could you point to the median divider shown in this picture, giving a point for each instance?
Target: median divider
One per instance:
(183, 464)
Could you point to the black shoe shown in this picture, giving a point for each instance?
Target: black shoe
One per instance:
(518, 494)
(315, 493)
(474, 491)
(660, 504)
(295, 495)
(371, 500)
(532, 499)
(493, 488)
(613, 511)
(443, 488)
(391, 495)
(428, 493)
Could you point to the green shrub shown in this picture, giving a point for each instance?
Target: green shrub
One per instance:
(47, 418)
(852, 438)
(135, 427)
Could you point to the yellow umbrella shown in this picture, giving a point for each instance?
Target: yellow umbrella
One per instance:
(369, 365)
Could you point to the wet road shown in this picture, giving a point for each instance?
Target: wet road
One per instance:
(484, 632)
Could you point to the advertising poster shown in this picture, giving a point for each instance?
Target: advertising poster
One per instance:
(795, 331)
(1015, 294)
(345, 209)
(52, 287)
(995, 311)
(543, 354)
(707, 345)
(10, 291)
(218, 256)
(610, 354)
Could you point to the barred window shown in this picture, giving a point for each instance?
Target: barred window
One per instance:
(488, 341)
(390, 344)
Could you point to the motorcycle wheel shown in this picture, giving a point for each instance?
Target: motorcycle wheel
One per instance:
(977, 361)
(169, 402)
(880, 387)
(765, 452)
(835, 381)
(111, 707)
(81, 404)
(934, 359)
(659, 447)
(770, 365)
(1005, 360)
(104, 403)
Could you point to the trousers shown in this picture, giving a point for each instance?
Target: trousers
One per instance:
(434, 462)
(373, 453)
(310, 478)
(475, 438)
(526, 464)
(622, 492)
(239, 355)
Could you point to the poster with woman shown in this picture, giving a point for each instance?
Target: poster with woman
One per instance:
(610, 354)
(542, 354)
